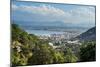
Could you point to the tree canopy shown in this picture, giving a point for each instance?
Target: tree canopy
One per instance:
(28, 49)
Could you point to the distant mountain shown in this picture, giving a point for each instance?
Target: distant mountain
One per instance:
(50, 24)
(88, 35)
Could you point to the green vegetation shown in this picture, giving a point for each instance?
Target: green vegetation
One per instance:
(88, 51)
(28, 49)
(69, 56)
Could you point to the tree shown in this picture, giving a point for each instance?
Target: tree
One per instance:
(87, 51)
(58, 57)
(17, 57)
(69, 56)
(41, 55)
(16, 31)
(21, 49)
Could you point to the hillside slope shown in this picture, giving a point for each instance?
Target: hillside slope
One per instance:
(88, 35)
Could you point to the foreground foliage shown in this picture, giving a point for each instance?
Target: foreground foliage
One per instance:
(28, 49)
(88, 51)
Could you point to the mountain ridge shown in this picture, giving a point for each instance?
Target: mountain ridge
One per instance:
(88, 35)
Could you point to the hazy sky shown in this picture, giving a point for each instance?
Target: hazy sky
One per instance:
(49, 13)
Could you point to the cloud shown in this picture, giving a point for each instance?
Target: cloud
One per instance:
(14, 7)
(82, 15)
(48, 13)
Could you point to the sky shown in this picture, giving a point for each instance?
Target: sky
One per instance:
(35, 13)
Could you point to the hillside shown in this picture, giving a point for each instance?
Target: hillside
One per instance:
(88, 35)
(28, 49)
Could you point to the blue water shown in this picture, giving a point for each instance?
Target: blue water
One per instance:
(48, 30)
